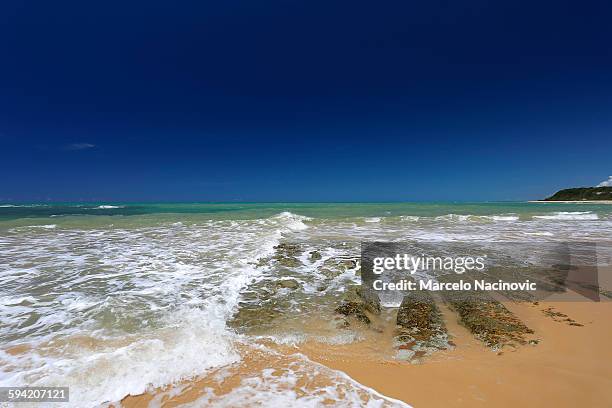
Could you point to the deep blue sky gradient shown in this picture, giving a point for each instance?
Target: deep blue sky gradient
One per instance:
(303, 101)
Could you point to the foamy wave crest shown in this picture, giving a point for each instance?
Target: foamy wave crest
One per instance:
(108, 207)
(292, 221)
(506, 217)
(157, 314)
(45, 226)
(453, 217)
(572, 215)
(372, 219)
(22, 205)
(478, 218)
(412, 218)
(109, 370)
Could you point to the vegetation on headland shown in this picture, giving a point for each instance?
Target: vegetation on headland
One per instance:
(582, 194)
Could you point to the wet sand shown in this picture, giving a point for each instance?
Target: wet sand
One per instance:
(569, 365)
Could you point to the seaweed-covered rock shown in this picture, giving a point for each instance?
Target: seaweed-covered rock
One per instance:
(286, 255)
(370, 299)
(288, 249)
(421, 329)
(358, 301)
(353, 309)
(288, 261)
(348, 263)
(288, 283)
(420, 317)
(491, 322)
(315, 255)
(248, 316)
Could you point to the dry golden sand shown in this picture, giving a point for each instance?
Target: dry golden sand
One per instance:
(571, 365)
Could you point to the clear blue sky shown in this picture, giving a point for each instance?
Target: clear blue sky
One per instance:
(303, 101)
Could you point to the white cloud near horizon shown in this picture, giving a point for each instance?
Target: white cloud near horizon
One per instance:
(79, 146)
(606, 183)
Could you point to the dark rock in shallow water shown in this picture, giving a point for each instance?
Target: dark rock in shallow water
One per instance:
(420, 316)
(349, 263)
(329, 273)
(288, 261)
(292, 249)
(358, 301)
(333, 267)
(286, 255)
(353, 309)
(315, 255)
(421, 329)
(288, 283)
(370, 299)
(251, 316)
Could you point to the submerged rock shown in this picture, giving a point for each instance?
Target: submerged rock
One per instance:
(250, 316)
(288, 261)
(357, 302)
(315, 255)
(333, 267)
(286, 255)
(348, 263)
(288, 249)
(288, 283)
(370, 299)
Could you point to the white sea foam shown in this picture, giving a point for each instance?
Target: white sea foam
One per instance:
(138, 305)
(568, 216)
(22, 205)
(44, 226)
(189, 344)
(453, 217)
(292, 221)
(293, 385)
(507, 217)
(167, 291)
(477, 218)
(412, 218)
(108, 207)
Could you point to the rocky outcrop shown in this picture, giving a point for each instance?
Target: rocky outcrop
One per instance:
(315, 256)
(288, 284)
(287, 255)
(491, 322)
(420, 327)
(358, 302)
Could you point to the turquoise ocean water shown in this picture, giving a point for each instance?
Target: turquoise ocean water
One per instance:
(113, 298)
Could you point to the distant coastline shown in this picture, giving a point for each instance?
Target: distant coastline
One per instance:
(598, 195)
(571, 201)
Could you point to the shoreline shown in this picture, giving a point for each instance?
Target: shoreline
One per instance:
(564, 364)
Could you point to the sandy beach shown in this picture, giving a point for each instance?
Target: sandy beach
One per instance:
(562, 364)
(178, 309)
